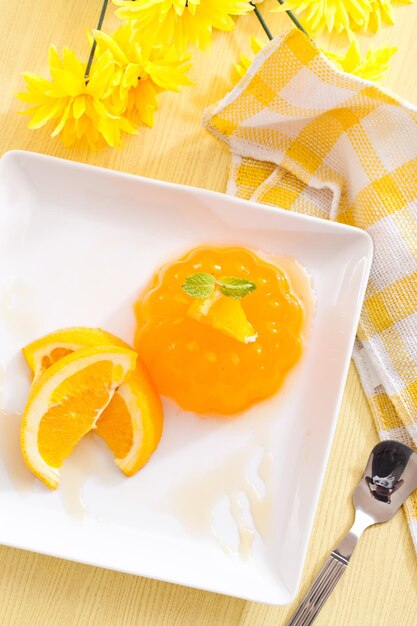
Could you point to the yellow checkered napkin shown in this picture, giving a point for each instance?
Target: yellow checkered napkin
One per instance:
(311, 139)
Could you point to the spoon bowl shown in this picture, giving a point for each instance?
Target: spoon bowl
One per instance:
(389, 478)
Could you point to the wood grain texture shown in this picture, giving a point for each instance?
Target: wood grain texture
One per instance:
(35, 590)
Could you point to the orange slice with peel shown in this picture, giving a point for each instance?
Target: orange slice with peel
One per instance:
(131, 425)
(43, 352)
(224, 314)
(66, 401)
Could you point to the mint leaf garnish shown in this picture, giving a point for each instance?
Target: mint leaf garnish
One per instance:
(202, 285)
(234, 287)
(199, 285)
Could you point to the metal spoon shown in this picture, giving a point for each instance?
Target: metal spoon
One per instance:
(389, 478)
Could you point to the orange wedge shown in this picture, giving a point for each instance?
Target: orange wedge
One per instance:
(65, 403)
(43, 352)
(224, 314)
(131, 424)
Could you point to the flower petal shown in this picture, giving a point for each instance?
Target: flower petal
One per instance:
(78, 107)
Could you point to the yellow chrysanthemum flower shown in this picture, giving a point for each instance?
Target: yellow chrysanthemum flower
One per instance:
(181, 21)
(244, 62)
(342, 15)
(371, 66)
(141, 71)
(81, 108)
(333, 15)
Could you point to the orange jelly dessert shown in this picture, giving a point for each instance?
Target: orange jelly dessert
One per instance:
(219, 329)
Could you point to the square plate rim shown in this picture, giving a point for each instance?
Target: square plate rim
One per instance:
(300, 217)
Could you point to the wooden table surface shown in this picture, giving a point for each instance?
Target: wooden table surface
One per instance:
(380, 588)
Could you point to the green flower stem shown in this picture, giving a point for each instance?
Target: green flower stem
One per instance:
(93, 47)
(262, 21)
(293, 18)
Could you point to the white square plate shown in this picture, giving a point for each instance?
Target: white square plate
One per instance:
(77, 243)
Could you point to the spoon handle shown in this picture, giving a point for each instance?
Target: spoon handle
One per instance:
(326, 581)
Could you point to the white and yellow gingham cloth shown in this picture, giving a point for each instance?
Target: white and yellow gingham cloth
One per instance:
(309, 138)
